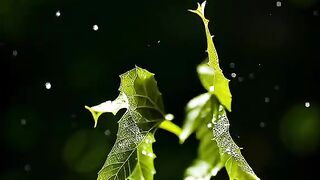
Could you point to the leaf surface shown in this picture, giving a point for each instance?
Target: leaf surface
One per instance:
(132, 157)
(206, 115)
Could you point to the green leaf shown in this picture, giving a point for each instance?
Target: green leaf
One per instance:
(217, 149)
(199, 116)
(236, 166)
(218, 84)
(139, 94)
(196, 110)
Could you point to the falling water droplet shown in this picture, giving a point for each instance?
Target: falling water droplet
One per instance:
(279, 4)
(107, 132)
(266, 99)
(23, 122)
(27, 167)
(262, 124)
(58, 13)
(307, 104)
(233, 75)
(240, 79)
(48, 85)
(15, 53)
(95, 27)
(232, 65)
(251, 76)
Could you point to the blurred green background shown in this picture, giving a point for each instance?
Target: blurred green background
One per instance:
(47, 133)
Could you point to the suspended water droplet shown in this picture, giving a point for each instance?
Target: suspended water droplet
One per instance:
(27, 167)
(262, 124)
(144, 152)
(232, 65)
(23, 122)
(279, 4)
(169, 117)
(266, 99)
(158, 41)
(307, 104)
(233, 75)
(211, 89)
(15, 53)
(58, 13)
(240, 148)
(48, 85)
(251, 76)
(240, 79)
(107, 132)
(95, 27)
(209, 125)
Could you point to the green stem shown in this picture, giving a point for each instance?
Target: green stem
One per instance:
(171, 127)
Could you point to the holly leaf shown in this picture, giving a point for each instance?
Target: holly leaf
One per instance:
(199, 113)
(132, 157)
(211, 74)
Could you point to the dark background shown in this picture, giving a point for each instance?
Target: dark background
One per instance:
(47, 133)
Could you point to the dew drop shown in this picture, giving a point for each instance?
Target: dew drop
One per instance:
(150, 154)
(262, 124)
(266, 99)
(95, 27)
(169, 117)
(211, 89)
(15, 53)
(48, 85)
(107, 132)
(58, 13)
(279, 4)
(233, 75)
(307, 104)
